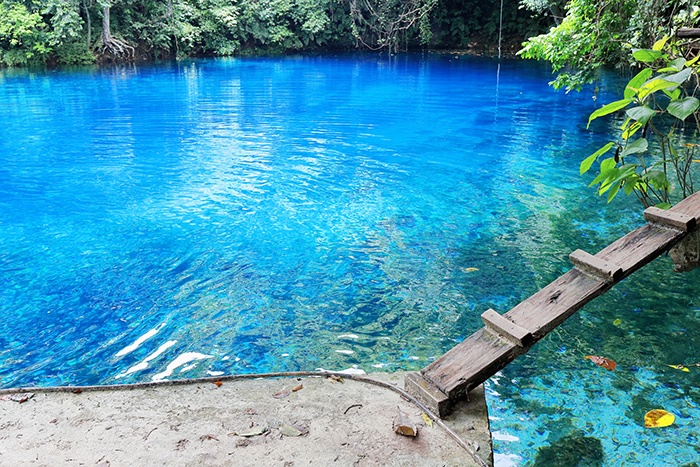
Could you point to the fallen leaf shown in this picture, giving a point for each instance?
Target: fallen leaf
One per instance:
(256, 432)
(658, 418)
(204, 438)
(680, 367)
(288, 430)
(602, 361)
(20, 397)
(428, 421)
(403, 425)
(336, 379)
(282, 394)
(617, 322)
(696, 160)
(298, 388)
(77, 391)
(218, 383)
(470, 269)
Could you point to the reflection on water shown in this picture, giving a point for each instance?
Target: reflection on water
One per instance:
(249, 215)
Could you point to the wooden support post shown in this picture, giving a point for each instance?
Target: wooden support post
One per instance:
(428, 394)
(597, 267)
(504, 327)
(671, 219)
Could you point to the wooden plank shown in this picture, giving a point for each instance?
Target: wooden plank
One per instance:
(549, 307)
(485, 352)
(689, 206)
(470, 363)
(602, 269)
(431, 396)
(506, 328)
(673, 219)
(639, 247)
(688, 32)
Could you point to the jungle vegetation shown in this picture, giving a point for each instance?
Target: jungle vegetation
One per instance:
(65, 32)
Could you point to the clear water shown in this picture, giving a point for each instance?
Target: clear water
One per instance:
(251, 215)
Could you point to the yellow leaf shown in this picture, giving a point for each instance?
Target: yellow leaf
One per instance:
(696, 160)
(470, 269)
(658, 418)
(617, 322)
(428, 421)
(680, 367)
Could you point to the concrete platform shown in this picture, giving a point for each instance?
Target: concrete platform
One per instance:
(257, 422)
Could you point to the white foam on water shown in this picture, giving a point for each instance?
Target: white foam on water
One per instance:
(183, 359)
(348, 336)
(346, 352)
(215, 373)
(130, 348)
(144, 364)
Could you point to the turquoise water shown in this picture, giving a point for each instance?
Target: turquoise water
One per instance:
(247, 215)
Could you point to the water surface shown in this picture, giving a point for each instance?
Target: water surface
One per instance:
(249, 215)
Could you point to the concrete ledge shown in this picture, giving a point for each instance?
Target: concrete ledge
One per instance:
(201, 423)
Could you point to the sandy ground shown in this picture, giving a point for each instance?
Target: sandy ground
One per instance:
(237, 423)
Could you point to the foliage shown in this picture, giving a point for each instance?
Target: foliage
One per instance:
(23, 35)
(587, 38)
(654, 156)
(82, 31)
(595, 33)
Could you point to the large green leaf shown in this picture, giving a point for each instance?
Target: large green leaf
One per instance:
(659, 45)
(682, 108)
(588, 161)
(608, 109)
(680, 77)
(642, 114)
(646, 55)
(635, 83)
(654, 85)
(640, 145)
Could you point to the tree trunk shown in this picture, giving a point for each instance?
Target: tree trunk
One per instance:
(117, 48)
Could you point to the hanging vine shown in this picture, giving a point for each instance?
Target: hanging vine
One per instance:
(381, 24)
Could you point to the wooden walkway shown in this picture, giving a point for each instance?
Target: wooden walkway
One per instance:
(505, 337)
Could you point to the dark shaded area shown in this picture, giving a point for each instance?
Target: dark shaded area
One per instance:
(571, 451)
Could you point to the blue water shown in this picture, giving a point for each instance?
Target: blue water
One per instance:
(247, 215)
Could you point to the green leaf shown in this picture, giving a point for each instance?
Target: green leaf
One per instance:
(675, 94)
(659, 45)
(588, 161)
(607, 164)
(678, 63)
(682, 108)
(635, 83)
(680, 77)
(654, 85)
(663, 205)
(640, 145)
(692, 61)
(608, 109)
(631, 130)
(642, 114)
(646, 55)
(613, 192)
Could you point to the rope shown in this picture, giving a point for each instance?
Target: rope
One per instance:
(282, 374)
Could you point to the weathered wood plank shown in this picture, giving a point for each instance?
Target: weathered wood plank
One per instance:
(486, 352)
(690, 206)
(673, 219)
(549, 307)
(639, 247)
(602, 269)
(477, 358)
(506, 328)
(688, 32)
(431, 396)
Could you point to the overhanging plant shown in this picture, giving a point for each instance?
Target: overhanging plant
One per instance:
(656, 151)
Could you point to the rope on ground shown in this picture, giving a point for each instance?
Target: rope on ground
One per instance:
(280, 374)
